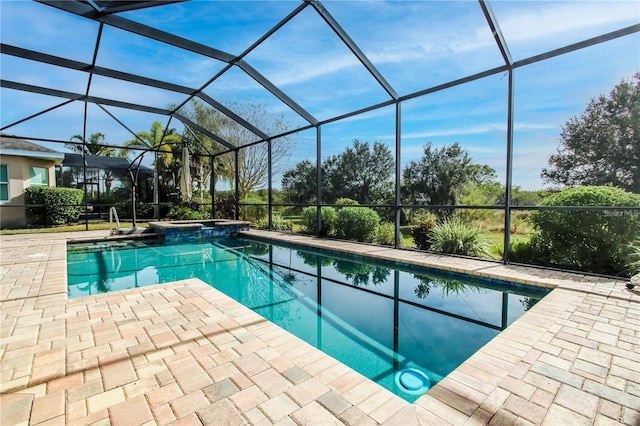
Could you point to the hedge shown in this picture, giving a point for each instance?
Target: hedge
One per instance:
(592, 241)
(55, 206)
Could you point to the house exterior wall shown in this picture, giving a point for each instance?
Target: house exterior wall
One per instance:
(12, 212)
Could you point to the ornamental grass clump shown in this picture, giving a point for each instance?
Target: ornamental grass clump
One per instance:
(634, 257)
(455, 236)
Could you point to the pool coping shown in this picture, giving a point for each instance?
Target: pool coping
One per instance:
(572, 358)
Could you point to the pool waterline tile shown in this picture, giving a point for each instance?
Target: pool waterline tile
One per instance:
(23, 291)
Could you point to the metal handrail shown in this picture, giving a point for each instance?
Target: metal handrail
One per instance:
(113, 213)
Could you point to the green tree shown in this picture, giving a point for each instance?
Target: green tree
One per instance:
(159, 141)
(300, 184)
(440, 175)
(200, 145)
(93, 146)
(602, 145)
(253, 166)
(362, 172)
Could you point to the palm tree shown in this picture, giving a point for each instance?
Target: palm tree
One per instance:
(157, 140)
(93, 146)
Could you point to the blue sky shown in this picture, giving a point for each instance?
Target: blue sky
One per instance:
(414, 44)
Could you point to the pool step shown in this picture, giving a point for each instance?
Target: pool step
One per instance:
(132, 231)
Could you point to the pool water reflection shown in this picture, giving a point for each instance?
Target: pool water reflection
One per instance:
(378, 318)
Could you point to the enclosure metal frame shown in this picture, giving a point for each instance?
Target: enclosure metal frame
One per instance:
(104, 13)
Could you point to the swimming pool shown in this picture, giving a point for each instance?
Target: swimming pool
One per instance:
(393, 323)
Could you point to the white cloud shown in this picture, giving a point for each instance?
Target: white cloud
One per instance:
(545, 20)
(476, 130)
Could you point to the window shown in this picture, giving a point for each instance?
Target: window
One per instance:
(38, 176)
(4, 182)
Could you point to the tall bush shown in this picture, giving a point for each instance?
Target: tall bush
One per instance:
(328, 216)
(591, 241)
(57, 206)
(357, 223)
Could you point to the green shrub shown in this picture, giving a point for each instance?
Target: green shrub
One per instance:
(253, 213)
(278, 223)
(357, 223)
(202, 196)
(143, 210)
(186, 212)
(225, 207)
(522, 251)
(454, 236)
(416, 217)
(328, 216)
(592, 241)
(386, 233)
(346, 202)
(59, 206)
(422, 231)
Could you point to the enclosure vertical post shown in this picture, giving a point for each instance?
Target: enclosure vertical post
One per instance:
(319, 304)
(270, 184)
(156, 187)
(509, 170)
(398, 200)
(84, 167)
(212, 186)
(271, 281)
(237, 163)
(505, 310)
(396, 317)
(318, 180)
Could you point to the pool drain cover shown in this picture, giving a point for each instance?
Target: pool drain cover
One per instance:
(412, 381)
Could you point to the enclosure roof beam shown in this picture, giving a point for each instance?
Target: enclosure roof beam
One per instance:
(80, 97)
(85, 67)
(204, 131)
(226, 111)
(133, 78)
(87, 11)
(457, 82)
(118, 6)
(348, 41)
(580, 45)
(276, 91)
(495, 30)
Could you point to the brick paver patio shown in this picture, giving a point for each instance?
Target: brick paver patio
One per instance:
(184, 353)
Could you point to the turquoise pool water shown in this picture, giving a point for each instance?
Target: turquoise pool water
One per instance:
(378, 318)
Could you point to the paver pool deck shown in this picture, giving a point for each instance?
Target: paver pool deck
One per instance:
(184, 353)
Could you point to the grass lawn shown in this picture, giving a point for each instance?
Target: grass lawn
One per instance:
(93, 226)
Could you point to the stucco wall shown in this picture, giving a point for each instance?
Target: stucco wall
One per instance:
(12, 212)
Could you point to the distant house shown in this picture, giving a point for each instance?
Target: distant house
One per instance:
(22, 164)
(106, 180)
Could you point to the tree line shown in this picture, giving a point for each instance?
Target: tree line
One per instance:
(598, 147)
